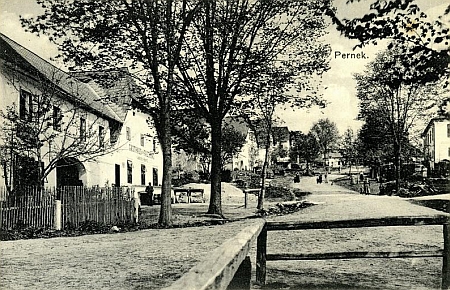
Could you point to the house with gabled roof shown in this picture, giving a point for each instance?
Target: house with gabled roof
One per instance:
(246, 158)
(81, 112)
(436, 142)
(137, 158)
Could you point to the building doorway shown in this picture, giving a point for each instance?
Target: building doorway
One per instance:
(117, 175)
(69, 172)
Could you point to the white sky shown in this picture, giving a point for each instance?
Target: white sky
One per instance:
(340, 92)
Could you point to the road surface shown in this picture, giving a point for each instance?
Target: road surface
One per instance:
(335, 203)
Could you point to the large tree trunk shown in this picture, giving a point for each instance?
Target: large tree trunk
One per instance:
(215, 202)
(165, 215)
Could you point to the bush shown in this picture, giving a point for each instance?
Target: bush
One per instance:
(185, 178)
(85, 228)
(284, 208)
(283, 193)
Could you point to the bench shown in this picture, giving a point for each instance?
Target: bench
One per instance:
(248, 191)
(191, 194)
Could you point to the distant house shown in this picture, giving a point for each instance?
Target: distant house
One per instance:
(436, 142)
(81, 110)
(247, 156)
(334, 160)
(281, 140)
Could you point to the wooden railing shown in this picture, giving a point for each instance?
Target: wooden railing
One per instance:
(226, 267)
(248, 191)
(262, 257)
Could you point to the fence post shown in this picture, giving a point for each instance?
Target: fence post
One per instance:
(261, 252)
(136, 209)
(446, 258)
(57, 221)
(245, 198)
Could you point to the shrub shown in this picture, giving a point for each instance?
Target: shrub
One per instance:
(284, 208)
(283, 193)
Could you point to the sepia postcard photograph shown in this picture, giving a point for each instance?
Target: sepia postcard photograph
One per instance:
(224, 144)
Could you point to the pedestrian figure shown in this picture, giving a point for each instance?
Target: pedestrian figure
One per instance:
(366, 186)
(149, 191)
(320, 179)
(361, 177)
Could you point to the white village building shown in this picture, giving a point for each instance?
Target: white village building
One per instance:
(106, 121)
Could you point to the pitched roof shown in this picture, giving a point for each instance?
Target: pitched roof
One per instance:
(432, 121)
(115, 86)
(74, 89)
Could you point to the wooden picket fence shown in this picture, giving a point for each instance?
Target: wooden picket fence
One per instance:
(103, 205)
(30, 207)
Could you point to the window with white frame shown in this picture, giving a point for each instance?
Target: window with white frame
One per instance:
(82, 129)
(101, 136)
(128, 133)
(130, 171)
(25, 105)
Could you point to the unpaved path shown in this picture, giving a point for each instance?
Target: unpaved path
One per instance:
(152, 259)
(148, 259)
(335, 202)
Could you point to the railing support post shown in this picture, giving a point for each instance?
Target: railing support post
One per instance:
(243, 276)
(57, 216)
(446, 258)
(245, 198)
(261, 253)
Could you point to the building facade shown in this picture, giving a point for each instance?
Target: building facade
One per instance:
(436, 142)
(246, 157)
(85, 133)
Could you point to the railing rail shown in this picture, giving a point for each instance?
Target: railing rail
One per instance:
(442, 219)
(222, 265)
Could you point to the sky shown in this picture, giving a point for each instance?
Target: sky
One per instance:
(340, 93)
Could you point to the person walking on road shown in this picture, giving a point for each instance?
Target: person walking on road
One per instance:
(366, 186)
(319, 179)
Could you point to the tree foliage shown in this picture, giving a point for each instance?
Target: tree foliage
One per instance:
(399, 20)
(233, 141)
(401, 87)
(146, 36)
(326, 134)
(349, 146)
(305, 147)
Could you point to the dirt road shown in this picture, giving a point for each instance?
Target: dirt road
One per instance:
(334, 202)
(152, 259)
